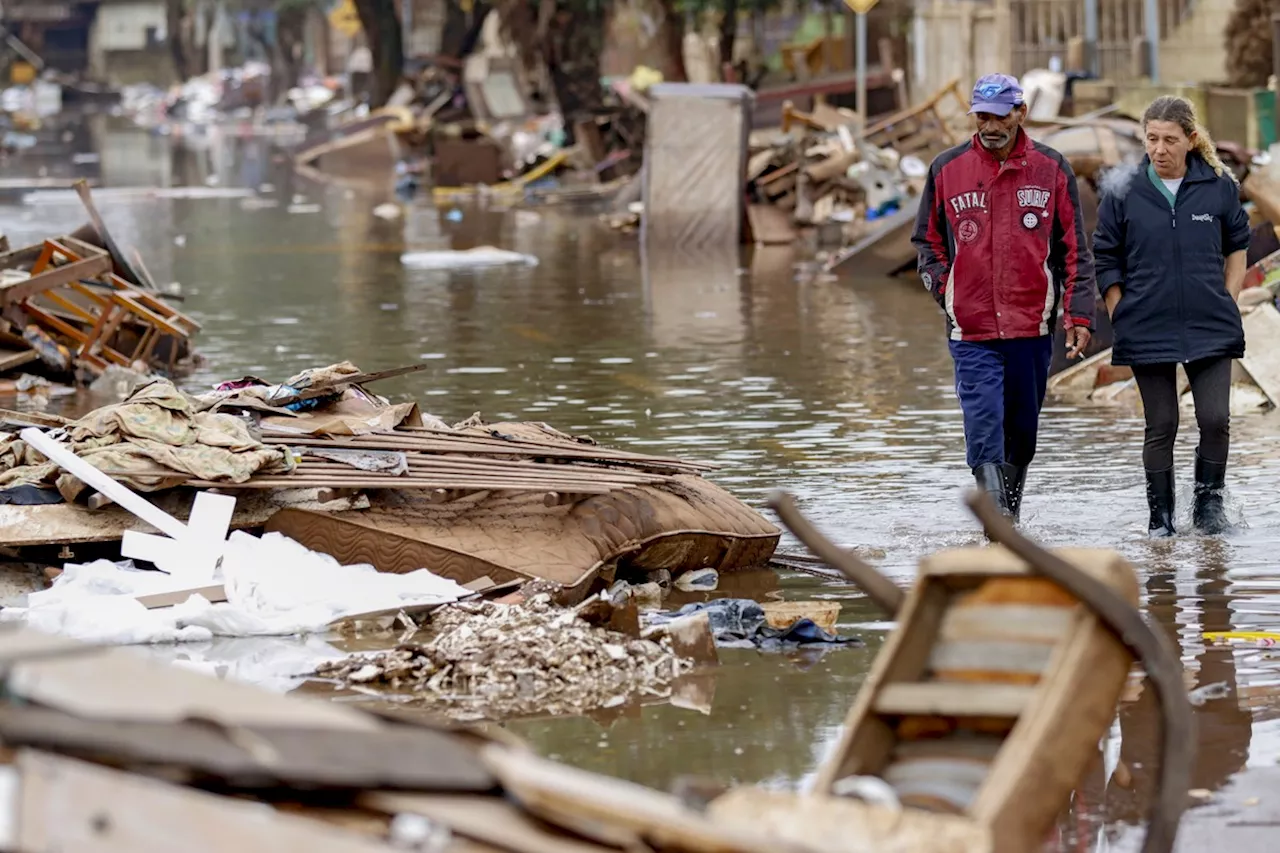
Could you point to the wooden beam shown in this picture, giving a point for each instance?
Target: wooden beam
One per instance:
(57, 277)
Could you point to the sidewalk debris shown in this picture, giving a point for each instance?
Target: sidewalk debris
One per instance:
(499, 661)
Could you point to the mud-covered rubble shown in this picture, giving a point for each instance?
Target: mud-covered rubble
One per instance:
(493, 661)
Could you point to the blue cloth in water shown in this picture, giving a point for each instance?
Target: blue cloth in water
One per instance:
(740, 623)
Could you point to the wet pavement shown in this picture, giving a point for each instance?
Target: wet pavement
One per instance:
(840, 392)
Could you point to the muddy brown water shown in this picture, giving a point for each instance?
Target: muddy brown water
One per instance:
(840, 392)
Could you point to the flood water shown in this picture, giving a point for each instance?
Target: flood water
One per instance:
(840, 392)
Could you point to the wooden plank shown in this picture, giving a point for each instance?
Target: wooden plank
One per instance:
(20, 291)
(72, 805)
(1262, 350)
(261, 757)
(10, 360)
(867, 741)
(1019, 623)
(214, 594)
(491, 820)
(1056, 737)
(118, 684)
(21, 258)
(8, 416)
(954, 700)
(845, 824)
(611, 810)
(121, 263)
(1013, 659)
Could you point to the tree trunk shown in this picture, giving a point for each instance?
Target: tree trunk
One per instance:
(381, 24)
(828, 32)
(728, 32)
(286, 56)
(674, 27)
(174, 15)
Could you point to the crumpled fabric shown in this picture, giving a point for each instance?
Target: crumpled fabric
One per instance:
(740, 623)
(156, 439)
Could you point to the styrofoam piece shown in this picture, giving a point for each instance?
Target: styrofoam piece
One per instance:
(194, 555)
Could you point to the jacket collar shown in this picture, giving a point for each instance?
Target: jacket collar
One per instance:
(1018, 152)
(1197, 169)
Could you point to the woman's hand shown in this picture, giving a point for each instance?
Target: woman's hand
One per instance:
(1112, 299)
(1237, 266)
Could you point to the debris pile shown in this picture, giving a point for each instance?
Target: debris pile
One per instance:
(499, 661)
(237, 93)
(829, 180)
(77, 306)
(484, 132)
(828, 174)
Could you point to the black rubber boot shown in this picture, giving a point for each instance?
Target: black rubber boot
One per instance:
(1160, 502)
(1015, 477)
(990, 479)
(1208, 513)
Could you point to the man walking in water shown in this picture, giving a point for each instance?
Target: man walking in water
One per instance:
(1001, 245)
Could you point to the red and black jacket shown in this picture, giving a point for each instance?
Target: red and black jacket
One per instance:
(1002, 245)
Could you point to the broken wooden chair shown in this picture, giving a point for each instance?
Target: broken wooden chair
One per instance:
(63, 296)
(926, 128)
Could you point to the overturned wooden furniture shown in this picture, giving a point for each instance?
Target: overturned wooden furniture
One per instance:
(100, 318)
(928, 127)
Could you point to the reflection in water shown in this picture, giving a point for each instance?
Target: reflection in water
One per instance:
(838, 391)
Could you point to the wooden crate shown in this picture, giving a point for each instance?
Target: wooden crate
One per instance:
(988, 700)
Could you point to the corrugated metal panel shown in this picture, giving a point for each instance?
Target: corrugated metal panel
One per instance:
(124, 26)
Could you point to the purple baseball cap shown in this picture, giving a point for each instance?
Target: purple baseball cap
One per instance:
(996, 94)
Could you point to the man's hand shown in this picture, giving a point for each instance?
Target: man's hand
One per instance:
(1077, 340)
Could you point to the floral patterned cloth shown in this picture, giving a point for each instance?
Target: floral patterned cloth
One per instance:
(156, 439)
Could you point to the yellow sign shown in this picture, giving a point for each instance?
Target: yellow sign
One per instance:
(345, 19)
(862, 7)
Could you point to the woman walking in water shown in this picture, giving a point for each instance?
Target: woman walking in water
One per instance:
(1170, 252)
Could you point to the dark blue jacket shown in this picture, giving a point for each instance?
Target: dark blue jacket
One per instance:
(1169, 260)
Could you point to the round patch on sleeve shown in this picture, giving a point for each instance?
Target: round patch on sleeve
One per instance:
(1030, 220)
(927, 279)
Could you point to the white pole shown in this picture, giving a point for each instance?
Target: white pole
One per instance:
(1151, 24)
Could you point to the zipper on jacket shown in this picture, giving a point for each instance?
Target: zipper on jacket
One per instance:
(1179, 278)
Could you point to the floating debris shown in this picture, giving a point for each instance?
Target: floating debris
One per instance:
(493, 661)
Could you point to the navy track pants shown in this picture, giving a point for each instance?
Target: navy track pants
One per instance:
(1001, 386)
